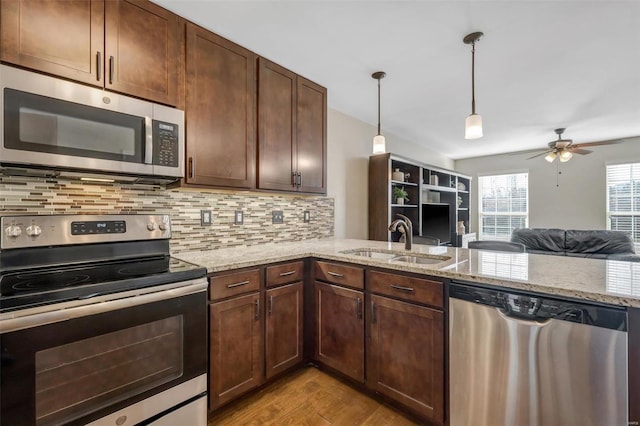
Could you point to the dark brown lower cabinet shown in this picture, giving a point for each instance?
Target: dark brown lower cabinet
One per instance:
(339, 333)
(284, 328)
(405, 355)
(237, 348)
(634, 366)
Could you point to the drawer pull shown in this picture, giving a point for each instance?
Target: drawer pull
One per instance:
(335, 274)
(237, 284)
(284, 274)
(359, 308)
(401, 288)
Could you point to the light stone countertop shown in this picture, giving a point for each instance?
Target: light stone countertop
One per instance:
(606, 281)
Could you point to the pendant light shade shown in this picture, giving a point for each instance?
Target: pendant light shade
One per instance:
(551, 156)
(565, 155)
(473, 123)
(378, 140)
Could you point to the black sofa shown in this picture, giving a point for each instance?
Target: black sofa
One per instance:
(598, 244)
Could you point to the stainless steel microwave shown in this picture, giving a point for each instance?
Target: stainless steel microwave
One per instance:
(50, 124)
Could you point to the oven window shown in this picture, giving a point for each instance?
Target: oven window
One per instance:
(43, 124)
(80, 377)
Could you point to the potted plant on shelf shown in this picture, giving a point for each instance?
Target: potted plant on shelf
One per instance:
(400, 194)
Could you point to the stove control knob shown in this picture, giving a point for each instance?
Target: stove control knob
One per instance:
(34, 230)
(13, 231)
(163, 226)
(151, 226)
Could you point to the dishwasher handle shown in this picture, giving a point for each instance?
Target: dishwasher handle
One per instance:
(540, 308)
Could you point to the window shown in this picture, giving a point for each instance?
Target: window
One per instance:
(623, 199)
(504, 205)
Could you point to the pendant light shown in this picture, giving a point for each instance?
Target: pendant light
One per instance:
(473, 123)
(378, 140)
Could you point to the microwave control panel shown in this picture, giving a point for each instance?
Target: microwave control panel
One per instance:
(165, 144)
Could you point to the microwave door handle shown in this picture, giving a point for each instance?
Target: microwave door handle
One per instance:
(148, 141)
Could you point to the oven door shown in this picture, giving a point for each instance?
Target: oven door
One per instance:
(83, 363)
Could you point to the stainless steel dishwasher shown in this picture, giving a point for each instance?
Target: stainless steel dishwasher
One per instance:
(518, 359)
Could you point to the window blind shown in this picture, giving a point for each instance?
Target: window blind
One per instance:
(504, 205)
(623, 199)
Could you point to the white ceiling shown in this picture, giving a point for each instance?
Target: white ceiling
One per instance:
(540, 65)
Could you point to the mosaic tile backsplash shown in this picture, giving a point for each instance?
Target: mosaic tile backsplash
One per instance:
(25, 195)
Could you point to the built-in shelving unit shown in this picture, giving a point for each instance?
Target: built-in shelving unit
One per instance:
(432, 192)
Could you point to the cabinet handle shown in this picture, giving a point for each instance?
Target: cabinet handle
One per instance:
(270, 304)
(237, 284)
(111, 64)
(191, 167)
(359, 308)
(99, 65)
(284, 274)
(335, 274)
(401, 288)
(257, 309)
(294, 178)
(299, 179)
(373, 312)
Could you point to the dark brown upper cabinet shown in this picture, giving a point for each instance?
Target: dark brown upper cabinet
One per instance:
(129, 46)
(220, 111)
(292, 135)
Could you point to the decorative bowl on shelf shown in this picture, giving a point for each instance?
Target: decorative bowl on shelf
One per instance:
(462, 186)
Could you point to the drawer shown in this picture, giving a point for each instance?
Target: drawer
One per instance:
(284, 274)
(351, 276)
(417, 290)
(223, 286)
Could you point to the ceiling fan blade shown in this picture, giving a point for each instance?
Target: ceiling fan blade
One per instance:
(580, 151)
(541, 154)
(529, 151)
(606, 142)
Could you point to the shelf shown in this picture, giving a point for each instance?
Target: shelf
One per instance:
(464, 209)
(438, 188)
(404, 205)
(463, 192)
(437, 204)
(400, 182)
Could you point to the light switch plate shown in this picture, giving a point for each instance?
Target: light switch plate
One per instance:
(238, 217)
(307, 216)
(277, 216)
(205, 217)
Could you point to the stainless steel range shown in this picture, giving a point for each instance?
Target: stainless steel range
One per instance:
(98, 324)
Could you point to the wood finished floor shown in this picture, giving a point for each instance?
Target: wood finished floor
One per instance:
(309, 397)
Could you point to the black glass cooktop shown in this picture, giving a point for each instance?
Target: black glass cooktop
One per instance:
(40, 286)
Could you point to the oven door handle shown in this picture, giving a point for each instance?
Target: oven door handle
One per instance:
(48, 314)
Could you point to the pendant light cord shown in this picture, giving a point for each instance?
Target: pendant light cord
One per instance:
(378, 106)
(473, 80)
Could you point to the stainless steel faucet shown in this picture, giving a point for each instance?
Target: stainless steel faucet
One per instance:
(406, 228)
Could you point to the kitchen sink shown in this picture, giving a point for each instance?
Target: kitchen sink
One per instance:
(398, 256)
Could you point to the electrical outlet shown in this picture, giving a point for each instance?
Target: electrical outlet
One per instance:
(307, 216)
(277, 216)
(238, 217)
(205, 217)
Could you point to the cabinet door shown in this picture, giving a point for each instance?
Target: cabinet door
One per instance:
(220, 111)
(284, 328)
(143, 51)
(311, 136)
(340, 329)
(407, 366)
(237, 350)
(276, 127)
(59, 37)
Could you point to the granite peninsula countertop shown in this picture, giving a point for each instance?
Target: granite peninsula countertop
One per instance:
(606, 281)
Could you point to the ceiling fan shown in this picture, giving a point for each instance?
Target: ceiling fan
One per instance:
(565, 148)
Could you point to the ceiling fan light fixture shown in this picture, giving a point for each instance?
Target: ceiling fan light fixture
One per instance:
(551, 156)
(473, 123)
(379, 146)
(473, 126)
(565, 155)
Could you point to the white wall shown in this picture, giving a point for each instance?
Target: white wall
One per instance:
(579, 200)
(349, 145)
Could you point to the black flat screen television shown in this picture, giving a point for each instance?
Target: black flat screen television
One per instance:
(436, 222)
